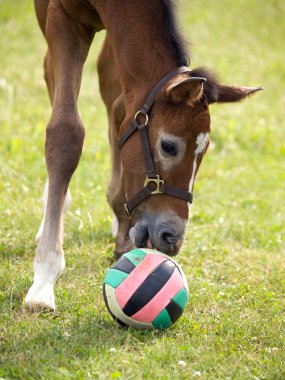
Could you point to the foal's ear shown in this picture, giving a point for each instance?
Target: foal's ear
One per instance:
(223, 94)
(185, 90)
(219, 93)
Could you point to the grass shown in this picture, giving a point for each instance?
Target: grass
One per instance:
(233, 256)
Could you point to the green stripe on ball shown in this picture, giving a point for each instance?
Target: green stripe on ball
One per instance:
(136, 256)
(114, 277)
(181, 298)
(162, 321)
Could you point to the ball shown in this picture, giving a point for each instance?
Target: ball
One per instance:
(145, 289)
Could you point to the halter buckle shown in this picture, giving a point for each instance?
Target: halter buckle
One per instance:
(157, 182)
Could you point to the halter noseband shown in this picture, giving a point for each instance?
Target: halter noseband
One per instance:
(153, 183)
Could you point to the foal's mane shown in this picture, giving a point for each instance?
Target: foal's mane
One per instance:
(177, 41)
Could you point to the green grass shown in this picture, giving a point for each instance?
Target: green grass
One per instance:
(233, 256)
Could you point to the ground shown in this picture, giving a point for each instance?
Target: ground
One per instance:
(233, 256)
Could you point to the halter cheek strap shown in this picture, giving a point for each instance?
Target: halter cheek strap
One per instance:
(153, 183)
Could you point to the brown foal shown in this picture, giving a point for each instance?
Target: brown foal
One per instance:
(141, 47)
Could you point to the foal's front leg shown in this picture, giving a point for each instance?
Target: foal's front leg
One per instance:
(66, 205)
(110, 89)
(68, 44)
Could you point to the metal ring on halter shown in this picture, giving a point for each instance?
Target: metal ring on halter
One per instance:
(141, 113)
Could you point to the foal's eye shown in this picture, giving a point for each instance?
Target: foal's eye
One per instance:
(169, 147)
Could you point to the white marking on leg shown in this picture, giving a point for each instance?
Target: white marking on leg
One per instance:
(49, 260)
(66, 205)
(41, 293)
(45, 196)
(114, 226)
(201, 142)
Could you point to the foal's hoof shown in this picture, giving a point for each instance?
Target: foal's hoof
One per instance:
(39, 299)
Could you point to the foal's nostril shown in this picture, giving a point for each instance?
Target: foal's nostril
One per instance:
(164, 232)
(168, 238)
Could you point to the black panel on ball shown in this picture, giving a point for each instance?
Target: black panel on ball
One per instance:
(174, 311)
(124, 265)
(149, 288)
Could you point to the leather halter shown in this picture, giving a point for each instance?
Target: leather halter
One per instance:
(153, 183)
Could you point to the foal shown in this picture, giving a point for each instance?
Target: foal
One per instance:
(160, 149)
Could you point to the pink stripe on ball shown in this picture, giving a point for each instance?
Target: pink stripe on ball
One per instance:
(150, 311)
(126, 289)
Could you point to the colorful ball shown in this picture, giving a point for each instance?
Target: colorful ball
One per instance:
(145, 289)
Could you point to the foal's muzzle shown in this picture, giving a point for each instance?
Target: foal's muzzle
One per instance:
(164, 232)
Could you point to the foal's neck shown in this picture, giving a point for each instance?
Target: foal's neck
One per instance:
(143, 48)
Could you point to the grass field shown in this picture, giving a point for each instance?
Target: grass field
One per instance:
(234, 253)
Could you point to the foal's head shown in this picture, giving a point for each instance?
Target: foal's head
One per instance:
(178, 129)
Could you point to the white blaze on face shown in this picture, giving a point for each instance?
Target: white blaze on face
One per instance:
(201, 143)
